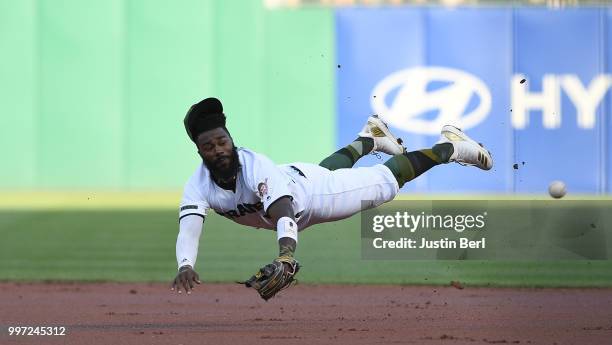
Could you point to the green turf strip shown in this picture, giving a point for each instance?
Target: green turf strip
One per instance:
(139, 246)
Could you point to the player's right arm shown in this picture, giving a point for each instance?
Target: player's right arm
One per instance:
(191, 220)
(190, 229)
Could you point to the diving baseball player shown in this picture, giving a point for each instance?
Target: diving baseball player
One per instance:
(250, 189)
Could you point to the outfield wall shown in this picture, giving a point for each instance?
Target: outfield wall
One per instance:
(533, 84)
(93, 93)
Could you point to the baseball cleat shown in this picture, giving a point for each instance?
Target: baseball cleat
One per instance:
(384, 141)
(466, 150)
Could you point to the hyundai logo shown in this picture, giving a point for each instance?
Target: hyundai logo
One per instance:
(404, 100)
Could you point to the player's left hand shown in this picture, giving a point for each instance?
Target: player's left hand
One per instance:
(274, 277)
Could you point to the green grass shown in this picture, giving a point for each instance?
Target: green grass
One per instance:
(138, 245)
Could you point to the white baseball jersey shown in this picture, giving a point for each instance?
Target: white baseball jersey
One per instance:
(258, 184)
(318, 195)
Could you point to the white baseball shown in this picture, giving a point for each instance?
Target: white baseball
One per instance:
(557, 189)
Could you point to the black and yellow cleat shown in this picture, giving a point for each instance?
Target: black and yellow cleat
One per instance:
(384, 140)
(465, 150)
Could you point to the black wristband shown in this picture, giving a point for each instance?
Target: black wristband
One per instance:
(185, 268)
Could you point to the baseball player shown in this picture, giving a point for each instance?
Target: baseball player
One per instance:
(248, 188)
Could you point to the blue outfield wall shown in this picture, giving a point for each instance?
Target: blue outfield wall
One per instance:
(420, 68)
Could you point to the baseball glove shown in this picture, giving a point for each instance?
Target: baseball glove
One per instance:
(274, 277)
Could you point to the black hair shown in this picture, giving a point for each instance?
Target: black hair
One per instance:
(203, 116)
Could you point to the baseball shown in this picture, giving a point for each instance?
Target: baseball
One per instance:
(557, 189)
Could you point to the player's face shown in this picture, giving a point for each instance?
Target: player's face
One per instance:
(216, 149)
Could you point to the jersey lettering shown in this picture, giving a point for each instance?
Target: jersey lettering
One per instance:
(242, 210)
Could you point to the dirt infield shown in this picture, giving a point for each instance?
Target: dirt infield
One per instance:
(112, 313)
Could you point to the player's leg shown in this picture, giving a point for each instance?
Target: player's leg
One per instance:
(454, 146)
(342, 193)
(347, 156)
(375, 136)
(408, 166)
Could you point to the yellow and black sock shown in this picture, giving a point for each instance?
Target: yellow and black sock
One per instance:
(347, 156)
(408, 166)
